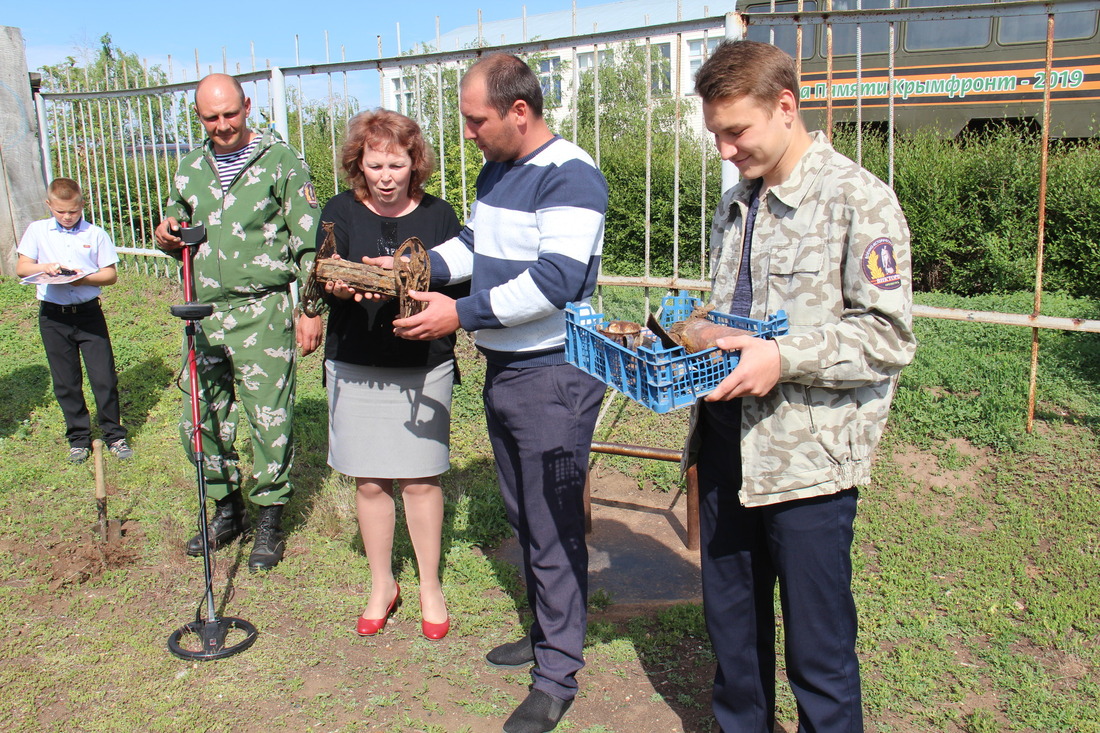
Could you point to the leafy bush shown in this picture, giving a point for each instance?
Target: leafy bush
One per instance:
(973, 210)
(1073, 220)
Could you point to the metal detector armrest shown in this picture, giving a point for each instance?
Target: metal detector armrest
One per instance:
(192, 311)
(191, 235)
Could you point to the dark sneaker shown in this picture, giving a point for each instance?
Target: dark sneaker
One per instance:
(121, 449)
(79, 455)
(539, 713)
(513, 654)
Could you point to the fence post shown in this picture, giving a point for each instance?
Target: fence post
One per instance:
(43, 136)
(278, 104)
(22, 185)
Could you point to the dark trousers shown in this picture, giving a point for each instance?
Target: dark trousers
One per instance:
(68, 336)
(540, 422)
(805, 546)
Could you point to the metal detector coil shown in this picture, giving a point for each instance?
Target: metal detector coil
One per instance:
(211, 636)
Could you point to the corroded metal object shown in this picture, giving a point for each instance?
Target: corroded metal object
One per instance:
(412, 271)
(698, 333)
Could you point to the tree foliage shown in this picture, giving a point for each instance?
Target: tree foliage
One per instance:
(115, 147)
(108, 67)
(638, 120)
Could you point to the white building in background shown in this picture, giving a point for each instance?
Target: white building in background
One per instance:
(399, 88)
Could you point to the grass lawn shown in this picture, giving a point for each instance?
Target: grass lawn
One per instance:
(977, 559)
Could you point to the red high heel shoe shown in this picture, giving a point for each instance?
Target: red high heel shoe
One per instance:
(371, 626)
(435, 632)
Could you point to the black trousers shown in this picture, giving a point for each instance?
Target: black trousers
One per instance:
(804, 546)
(540, 421)
(69, 333)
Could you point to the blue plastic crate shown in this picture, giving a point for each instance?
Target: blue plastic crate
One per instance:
(658, 378)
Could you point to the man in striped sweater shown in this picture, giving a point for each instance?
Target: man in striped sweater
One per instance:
(532, 244)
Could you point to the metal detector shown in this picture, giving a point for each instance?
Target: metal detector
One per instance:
(210, 634)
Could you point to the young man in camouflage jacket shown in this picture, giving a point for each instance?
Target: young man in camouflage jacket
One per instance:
(783, 442)
(255, 198)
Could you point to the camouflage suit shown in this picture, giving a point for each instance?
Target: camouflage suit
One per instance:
(257, 236)
(831, 247)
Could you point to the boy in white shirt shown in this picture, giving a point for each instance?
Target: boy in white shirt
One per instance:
(70, 318)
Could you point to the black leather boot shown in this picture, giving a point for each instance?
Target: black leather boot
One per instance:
(226, 525)
(268, 548)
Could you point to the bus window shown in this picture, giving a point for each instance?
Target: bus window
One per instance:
(940, 35)
(876, 36)
(1032, 28)
(784, 35)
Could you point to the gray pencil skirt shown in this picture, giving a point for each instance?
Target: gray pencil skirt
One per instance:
(389, 423)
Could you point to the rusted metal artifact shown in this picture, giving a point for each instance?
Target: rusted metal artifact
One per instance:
(411, 271)
(698, 333)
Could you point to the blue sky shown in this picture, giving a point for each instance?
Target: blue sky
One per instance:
(62, 28)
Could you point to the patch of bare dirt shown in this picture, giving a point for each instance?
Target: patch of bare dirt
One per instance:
(940, 478)
(1066, 670)
(926, 468)
(64, 562)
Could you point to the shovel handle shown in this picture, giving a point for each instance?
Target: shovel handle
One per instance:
(100, 477)
(100, 488)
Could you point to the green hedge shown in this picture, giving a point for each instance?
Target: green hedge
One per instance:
(973, 209)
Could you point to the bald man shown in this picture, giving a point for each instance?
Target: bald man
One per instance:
(253, 193)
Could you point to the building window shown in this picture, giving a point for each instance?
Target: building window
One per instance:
(404, 96)
(699, 50)
(660, 61)
(550, 80)
(584, 60)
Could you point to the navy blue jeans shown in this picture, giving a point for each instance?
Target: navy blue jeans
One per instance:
(540, 422)
(804, 546)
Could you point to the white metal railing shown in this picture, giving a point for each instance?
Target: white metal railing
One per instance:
(122, 143)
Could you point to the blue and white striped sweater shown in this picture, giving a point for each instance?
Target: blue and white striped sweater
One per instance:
(533, 243)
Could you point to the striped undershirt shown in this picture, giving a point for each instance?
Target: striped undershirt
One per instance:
(230, 164)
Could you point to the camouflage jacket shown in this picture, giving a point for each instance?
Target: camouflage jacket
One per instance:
(831, 248)
(258, 232)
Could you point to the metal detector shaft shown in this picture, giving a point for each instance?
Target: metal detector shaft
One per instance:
(191, 330)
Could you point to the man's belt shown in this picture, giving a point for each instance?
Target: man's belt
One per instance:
(89, 305)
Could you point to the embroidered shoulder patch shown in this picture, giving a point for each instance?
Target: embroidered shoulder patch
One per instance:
(311, 194)
(879, 266)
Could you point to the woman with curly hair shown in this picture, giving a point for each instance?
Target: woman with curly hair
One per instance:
(389, 398)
